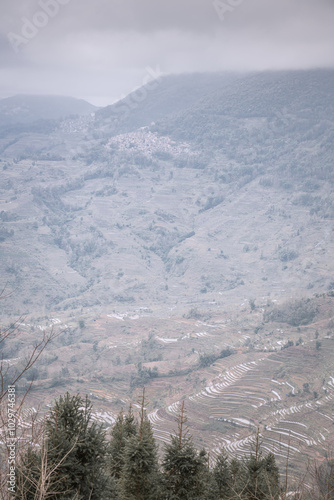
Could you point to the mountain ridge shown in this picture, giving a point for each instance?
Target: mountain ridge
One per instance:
(27, 108)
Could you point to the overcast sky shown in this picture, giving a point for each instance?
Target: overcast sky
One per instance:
(102, 49)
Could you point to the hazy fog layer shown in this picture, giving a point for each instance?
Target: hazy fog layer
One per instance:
(102, 49)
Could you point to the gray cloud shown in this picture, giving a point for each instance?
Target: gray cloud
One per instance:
(100, 49)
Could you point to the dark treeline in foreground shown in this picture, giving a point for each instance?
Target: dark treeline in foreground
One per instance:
(75, 460)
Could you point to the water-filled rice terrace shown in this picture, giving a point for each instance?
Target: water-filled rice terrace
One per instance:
(287, 394)
(266, 393)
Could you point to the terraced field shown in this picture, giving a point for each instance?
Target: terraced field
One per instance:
(246, 396)
(286, 393)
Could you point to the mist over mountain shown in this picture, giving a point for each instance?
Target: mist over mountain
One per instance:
(163, 96)
(183, 237)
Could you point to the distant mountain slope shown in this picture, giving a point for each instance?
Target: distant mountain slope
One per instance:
(242, 209)
(30, 108)
(280, 95)
(160, 98)
(272, 120)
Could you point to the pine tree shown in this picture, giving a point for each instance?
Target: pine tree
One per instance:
(270, 476)
(123, 429)
(72, 458)
(139, 479)
(210, 487)
(184, 468)
(28, 476)
(69, 425)
(223, 476)
(258, 476)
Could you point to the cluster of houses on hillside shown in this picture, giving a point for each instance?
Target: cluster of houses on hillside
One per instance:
(149, 144)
